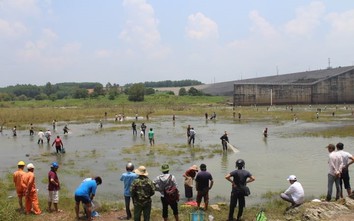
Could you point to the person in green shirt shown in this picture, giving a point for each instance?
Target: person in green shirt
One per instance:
(151, 137)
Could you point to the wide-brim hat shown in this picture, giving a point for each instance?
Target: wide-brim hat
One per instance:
(141, 171)
(194, 167)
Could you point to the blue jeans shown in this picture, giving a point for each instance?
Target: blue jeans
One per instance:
(331, 180)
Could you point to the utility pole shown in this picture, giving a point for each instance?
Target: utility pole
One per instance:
(277, 70)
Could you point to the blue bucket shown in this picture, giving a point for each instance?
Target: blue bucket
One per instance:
(196, 216)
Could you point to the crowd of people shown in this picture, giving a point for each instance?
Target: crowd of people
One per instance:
(25, 185)
(139, 188)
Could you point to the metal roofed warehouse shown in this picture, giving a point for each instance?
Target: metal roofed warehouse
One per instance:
(332, 85)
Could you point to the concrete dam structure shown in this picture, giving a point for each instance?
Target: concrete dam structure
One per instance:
(329, 86)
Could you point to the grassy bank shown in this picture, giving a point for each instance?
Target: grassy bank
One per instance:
(22, 113)
(110, 210)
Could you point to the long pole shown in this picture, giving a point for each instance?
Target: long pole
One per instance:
(271, 97)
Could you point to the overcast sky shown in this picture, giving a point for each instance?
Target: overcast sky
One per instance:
(130, 41)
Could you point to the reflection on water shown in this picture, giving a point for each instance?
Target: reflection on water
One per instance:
(224, 163)
(90, 151)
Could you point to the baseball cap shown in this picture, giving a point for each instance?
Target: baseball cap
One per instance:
(30, 166)
(292, 177)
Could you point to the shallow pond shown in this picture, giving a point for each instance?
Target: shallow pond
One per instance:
(92, 151)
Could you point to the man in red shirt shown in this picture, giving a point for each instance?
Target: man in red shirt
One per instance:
(53, 187)
(58, 144)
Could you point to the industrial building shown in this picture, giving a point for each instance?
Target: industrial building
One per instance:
(328, 86)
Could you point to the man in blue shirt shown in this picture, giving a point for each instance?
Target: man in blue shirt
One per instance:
(128, 178)
(85, 193)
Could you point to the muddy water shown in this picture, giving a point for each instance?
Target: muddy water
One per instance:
(91, 151)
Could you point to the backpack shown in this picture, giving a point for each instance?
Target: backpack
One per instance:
(261, 216)
(171, 192)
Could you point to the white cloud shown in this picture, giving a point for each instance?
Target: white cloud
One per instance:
(343, 22)
(306, 20)
(103, 53)
(261, 25)
(11, 29)
(141, 25)
(37, 50)
(20, 7)
(71, 48)
(201, 27)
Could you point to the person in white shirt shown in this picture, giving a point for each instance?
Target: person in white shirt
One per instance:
(40, 137)
(344, 178)
(48, 134)
(335, 165)
(294, 194)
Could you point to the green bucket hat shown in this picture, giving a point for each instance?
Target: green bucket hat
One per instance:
(165, 167)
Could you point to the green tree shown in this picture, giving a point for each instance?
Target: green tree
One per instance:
(149, 91)
(22, 97)
(136, 92)
(80, 93)
(41, 96)
(7, 97)
(49, 89)
(98, 90)
(170, 92)
(182, 92)
(194, 92)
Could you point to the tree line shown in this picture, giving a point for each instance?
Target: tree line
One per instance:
(53, 92)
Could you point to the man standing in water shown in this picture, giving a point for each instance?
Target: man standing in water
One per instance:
(224, 140)
(143, 128)
(151, 137)
(240, 178)
(188, 133)
(14, 131)
(265, 132)
(40, 137)
(58, 144)
(31, 129)
(134, 128)
(54, 124)
(335, 165)
(48, 134)
(345, 170)
(128, 177)
(191, 136)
